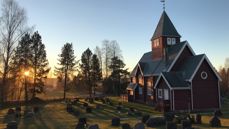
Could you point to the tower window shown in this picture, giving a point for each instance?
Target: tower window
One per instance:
(169, 42)
(156, 43)
(173, 41)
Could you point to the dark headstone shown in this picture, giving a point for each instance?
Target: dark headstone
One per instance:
(18, 112)
(98, 106)
(215, 122)
(218, 113)
(169, 116)
(186, 124)
(145, 118)
(139, 126)
(171, 125)
(75, 101)
(119, 108)
(85, 104)
(115, 121)
(80, 126)
(82, 120)
(93, 126)
(29, 114)
(69, 108)
(36, 109)
(88, 109)
(155, 122)
(10, 111)
(138, 113)
(12, 125)
(76, 112)
(126, 126)
(132, 109)
(198, 119)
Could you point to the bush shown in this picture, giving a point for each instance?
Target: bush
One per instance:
(171, 125)
(186, 124)
(215, 122)
(88, 109)
(12, 125)
(126, 126)
(155, 122)
(198, 119)
(145, 118)
(115, 121)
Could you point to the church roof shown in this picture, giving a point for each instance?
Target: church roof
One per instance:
(165, 27)
(150, 67)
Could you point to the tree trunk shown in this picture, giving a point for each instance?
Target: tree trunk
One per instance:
(65, 82)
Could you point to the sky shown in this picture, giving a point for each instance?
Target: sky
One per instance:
(86, 23)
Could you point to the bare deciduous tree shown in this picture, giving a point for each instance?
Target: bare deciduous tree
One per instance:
(12, 28)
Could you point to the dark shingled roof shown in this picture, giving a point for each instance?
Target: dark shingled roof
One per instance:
(175, 79)
(190, 65)
(150, 66)
(165, 28)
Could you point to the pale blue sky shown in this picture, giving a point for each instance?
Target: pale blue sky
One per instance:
(85, 23)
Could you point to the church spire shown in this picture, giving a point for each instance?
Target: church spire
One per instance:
(165, 27)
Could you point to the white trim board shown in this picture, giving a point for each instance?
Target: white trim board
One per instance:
(178, 55)
(171, 88)
(209, 63)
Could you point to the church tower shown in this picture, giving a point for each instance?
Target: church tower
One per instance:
(164, 36)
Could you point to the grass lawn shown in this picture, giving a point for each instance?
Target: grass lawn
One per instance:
(55, 116)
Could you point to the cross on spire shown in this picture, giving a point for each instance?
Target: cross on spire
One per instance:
(163, 1)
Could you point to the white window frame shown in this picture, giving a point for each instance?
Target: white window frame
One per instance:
(204, 75)
(169, 41)
(173, 41)
(140, 90)
(160, 93)
(166, 94)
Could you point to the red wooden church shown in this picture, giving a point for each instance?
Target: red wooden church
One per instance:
(172, 76)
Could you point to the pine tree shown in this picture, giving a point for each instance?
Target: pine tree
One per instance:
(40, 63)
(21, 62)
(86, 66)
(118, 71)
(96, 72)
(66, 64)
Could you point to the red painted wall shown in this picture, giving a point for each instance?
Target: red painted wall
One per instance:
(205, 92)
(182, 99)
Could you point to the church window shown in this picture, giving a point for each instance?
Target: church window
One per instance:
(156, 43)
(204, 75)
(169, 42)
(173, 41)
(160, 93)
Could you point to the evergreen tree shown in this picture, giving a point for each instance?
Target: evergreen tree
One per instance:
(85, 67)
(118, 72)
(40, 63)
(21, 62)
(96, 72)
(66, 64)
